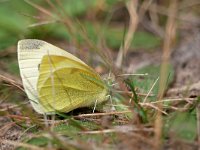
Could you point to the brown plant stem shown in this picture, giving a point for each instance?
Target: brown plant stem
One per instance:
(170, 33)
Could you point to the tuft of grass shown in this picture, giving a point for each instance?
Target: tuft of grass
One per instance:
(138, 109)
(144, 83)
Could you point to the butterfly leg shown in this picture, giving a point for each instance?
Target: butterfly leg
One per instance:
(95, 105)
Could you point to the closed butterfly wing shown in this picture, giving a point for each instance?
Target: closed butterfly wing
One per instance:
(30, 54)
(65, 84)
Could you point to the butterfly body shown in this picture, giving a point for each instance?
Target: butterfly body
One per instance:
(56, 80)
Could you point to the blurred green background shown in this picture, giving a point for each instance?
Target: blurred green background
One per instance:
(20, 19)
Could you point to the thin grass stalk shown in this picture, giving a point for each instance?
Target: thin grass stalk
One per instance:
(132, 9)
(168, 41)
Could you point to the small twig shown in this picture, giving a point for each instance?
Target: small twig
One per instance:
(41, 9)
(175, 99)
(120, 129)
(18, 117)
(175, 108)
(42, 120)
(170, 34)
(150, 90)
(132, 9)
(155, 107)
(102, 114)
(13, 106)
(42, 23)
(12, 82)
(128, 92)
(163, 10)
(132, 74)
(30, 16)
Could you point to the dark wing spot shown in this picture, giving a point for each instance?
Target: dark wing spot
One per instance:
(31, 44)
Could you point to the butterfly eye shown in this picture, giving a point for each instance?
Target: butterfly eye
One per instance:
(38, 67)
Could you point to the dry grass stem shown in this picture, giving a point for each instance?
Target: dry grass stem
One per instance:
(41, 23)
(119, 129)
(128, 92)
(132, 9)
(154, 107)
(150, 90)
(13, 106)
(38, 7)
(168, 41)
(139, 74)
(164, 11)
(189, 100)
(11, 82)
(102, 114)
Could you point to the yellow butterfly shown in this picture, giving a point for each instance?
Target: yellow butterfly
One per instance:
(55, 80)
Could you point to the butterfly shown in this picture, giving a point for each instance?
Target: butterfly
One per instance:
(57, 81)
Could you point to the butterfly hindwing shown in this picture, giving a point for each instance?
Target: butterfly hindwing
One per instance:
(64, 85)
